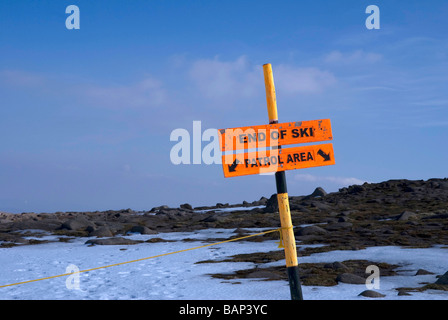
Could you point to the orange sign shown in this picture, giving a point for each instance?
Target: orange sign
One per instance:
(272, 135)
(277, 160)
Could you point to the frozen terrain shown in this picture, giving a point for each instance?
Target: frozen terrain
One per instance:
(178, 276)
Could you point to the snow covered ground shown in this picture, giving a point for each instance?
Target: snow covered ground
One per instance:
(178, 277)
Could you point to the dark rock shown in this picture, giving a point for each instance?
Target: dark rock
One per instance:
(343, 190)
(343, 219)
(371, 294)
(142, 230)
(409, 189)
(186, 206)
(260, 202)
(338, 225)
(346, 213)
(246, 204)
(443, 279)
(257, 210)
(78, 223)
(443, 185)
(354, 189)
(402, 292)
(45, 224)
(320, 205)
(336, 266)
(90, 229)
(422, 272)
(222, 205)
(437, 216)
(294, 206)
(267, 275)
(350, 278)
(272, 204)
(310, 230)
(102, 231)
(318, 192)
(241, 231)
(112, 241)
(210, 218)
(174, 214)
(157, 240)
(406, 215)
(157, 209)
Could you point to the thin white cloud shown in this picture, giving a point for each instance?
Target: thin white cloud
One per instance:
(148, 92)
(340, 181)
(226, 79)
(356, 57)
(240, 79)
(293, 80)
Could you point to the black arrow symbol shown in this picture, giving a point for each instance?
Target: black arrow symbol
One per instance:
(232, 166)
(324, 155)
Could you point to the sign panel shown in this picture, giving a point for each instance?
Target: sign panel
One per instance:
(272, 135)
(260, 162)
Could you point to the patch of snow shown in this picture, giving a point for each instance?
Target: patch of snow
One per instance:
(177, 276)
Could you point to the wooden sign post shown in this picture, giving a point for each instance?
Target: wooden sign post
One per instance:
(270, 157)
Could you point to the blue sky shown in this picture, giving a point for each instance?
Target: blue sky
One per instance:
(86, 115)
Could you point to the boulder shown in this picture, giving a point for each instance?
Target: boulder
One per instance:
(102, 231)
(271, 204)
(157, 209)
(355, 189)
(371, 294)
(406, 215)
(310, 230)
(112, 241)
(186, 206)
(443, 279)
(422, 272)
(222, 205)
(174, 214)
(336, 266)
(318, 192)
(142, 230)
(261, 202)
(350, 278)
(321, 206)
(76, 224)
(403, 292)
(47, 224)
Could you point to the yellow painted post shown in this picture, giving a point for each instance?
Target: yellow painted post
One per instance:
(270, 93)
(289, 241)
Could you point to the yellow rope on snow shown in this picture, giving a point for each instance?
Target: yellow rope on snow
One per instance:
(147, 258)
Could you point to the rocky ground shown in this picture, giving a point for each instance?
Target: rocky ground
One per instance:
(409, 213)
